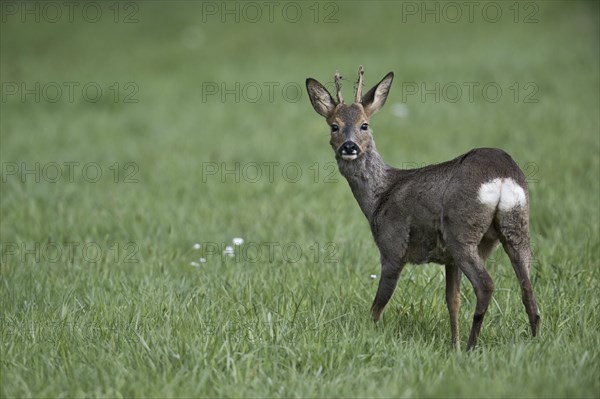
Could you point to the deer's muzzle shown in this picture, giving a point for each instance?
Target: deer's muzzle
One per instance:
(349, 150)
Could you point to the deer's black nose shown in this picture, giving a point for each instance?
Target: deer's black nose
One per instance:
(349, 149)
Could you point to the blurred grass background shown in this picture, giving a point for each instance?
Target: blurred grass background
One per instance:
(272, 328)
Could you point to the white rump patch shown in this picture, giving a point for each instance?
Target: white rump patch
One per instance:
(512, 195)
(504, 193)
(489, 193)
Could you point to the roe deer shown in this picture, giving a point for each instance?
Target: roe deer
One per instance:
(453, 213)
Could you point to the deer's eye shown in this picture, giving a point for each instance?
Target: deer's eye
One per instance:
(334, 128)
(364, 126)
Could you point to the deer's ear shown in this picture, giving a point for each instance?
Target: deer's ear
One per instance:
(320, 98)
(375, 98)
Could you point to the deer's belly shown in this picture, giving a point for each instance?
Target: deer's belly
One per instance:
(426, 247)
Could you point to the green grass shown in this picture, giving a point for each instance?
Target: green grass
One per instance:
(270, 328)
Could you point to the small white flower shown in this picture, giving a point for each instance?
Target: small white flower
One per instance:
(197, 246)
(229, 251)
(238, 241)
(202, 260)
(195, 264)
(373, 276)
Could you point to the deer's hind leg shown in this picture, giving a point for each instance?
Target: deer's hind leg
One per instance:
(453, 275)
(465, 234)
(471, 265)
(513, 229)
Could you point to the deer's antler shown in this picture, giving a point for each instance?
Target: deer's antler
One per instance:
(338, 87)
(359, 85)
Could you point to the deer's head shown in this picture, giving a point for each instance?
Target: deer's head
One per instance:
(351, 135)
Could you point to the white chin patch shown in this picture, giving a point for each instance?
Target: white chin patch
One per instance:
(349, 157)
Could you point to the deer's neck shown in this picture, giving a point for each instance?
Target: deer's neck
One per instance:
(368, 177)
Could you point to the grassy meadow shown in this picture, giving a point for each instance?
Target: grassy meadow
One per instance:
(132, 131)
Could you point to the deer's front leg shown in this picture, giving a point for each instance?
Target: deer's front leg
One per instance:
(390, 272)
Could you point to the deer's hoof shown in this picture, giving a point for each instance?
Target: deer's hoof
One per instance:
(535, 324)
(376, 314)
